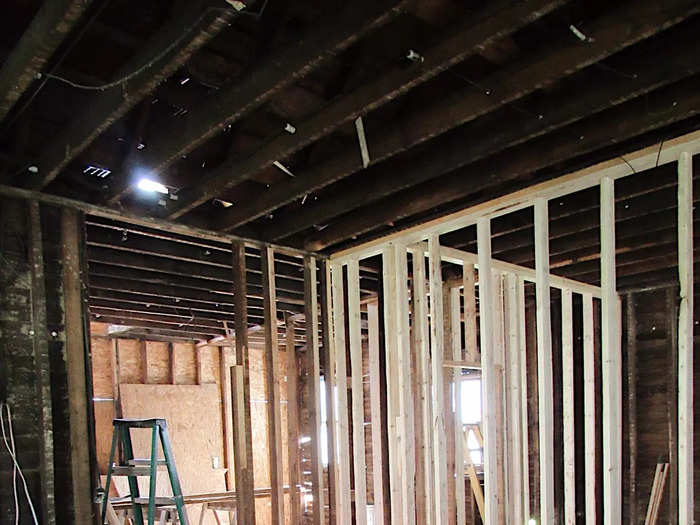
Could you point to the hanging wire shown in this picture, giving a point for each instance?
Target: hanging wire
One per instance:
(150, 63)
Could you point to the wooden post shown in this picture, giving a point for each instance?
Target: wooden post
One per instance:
(685, 340)
(502, 425)
(488, 372)
(612, 360)
(358, 412)
(240, 391)
(470, 332)
(329, 374)
(589, 408)
(437, 352)
(292, 424)
(42, 364)
(375, 411)
(544, 363)
(311, 319)
(567, 349)
(78, 390)
(227, 414)
(342, 452)
(272, 386)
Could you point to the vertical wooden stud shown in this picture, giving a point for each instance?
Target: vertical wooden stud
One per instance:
(631, 337)
(375, 411)
(78, 389)
(342, 451)
(470, 332)
(42, 364)
(589, 408)
(514, 400)
(567, 348)
(437, 353)
(329, 375)
(240, 391)
(612, 360)
(544, 363)
(292, 424)
(456, 351)
(272, 385)
(358, 419)
(502, 425)
(311, 316)
(522, 349)
(685, 340)
(488, 372)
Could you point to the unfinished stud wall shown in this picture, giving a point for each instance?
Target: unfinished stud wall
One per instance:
(42, 363)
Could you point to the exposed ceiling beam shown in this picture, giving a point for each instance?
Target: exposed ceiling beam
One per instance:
(607, 35)
(488, 136)
(47, 31)
(186, 32)
(281, 70)
(472, 35)
(677, 102)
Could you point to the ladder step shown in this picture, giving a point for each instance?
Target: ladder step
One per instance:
(160, 500)
(131, 470)
(145, 461)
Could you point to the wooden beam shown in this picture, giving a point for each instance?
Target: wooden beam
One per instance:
(48, 29)
(612, 360)
(632, 436)
(472, 34)
(376, 412)
(358, 411)
(42, 364)
(488, 373)
(293, 424)
(569, 425)
(621, 123)
(286, 66)
(314, 362)
(475, 141)
(272, 388)
(544, 364)
(685, 340)
(110, 105)
(437, 355)
(79, 390)
(342, 430)
(525, 449)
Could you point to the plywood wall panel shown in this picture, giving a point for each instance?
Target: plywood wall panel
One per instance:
(130, 361)
(184, 366)
(158, 362)
(102, 367)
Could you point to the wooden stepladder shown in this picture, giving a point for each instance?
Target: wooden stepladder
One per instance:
(133, 468)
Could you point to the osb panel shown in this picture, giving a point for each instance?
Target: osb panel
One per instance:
(158, 362)
(193, 413)
(184, 365)
(130, 361)
(209, 357)
(101, 350)
(104, 414)
(98, 328)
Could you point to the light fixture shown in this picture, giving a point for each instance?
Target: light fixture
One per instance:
(151, 186)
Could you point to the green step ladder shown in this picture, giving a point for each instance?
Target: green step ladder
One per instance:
(132, 468)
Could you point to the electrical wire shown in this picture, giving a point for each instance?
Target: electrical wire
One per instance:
(4, 407)
(150, 63)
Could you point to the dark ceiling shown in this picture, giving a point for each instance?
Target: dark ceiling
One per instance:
(461, 101)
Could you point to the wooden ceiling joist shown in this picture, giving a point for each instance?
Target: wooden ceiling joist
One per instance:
(191, 29)
(613, 127)
(472, 35)
(487, 137)
(47, 31)
(510, 84)
(279, 71)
